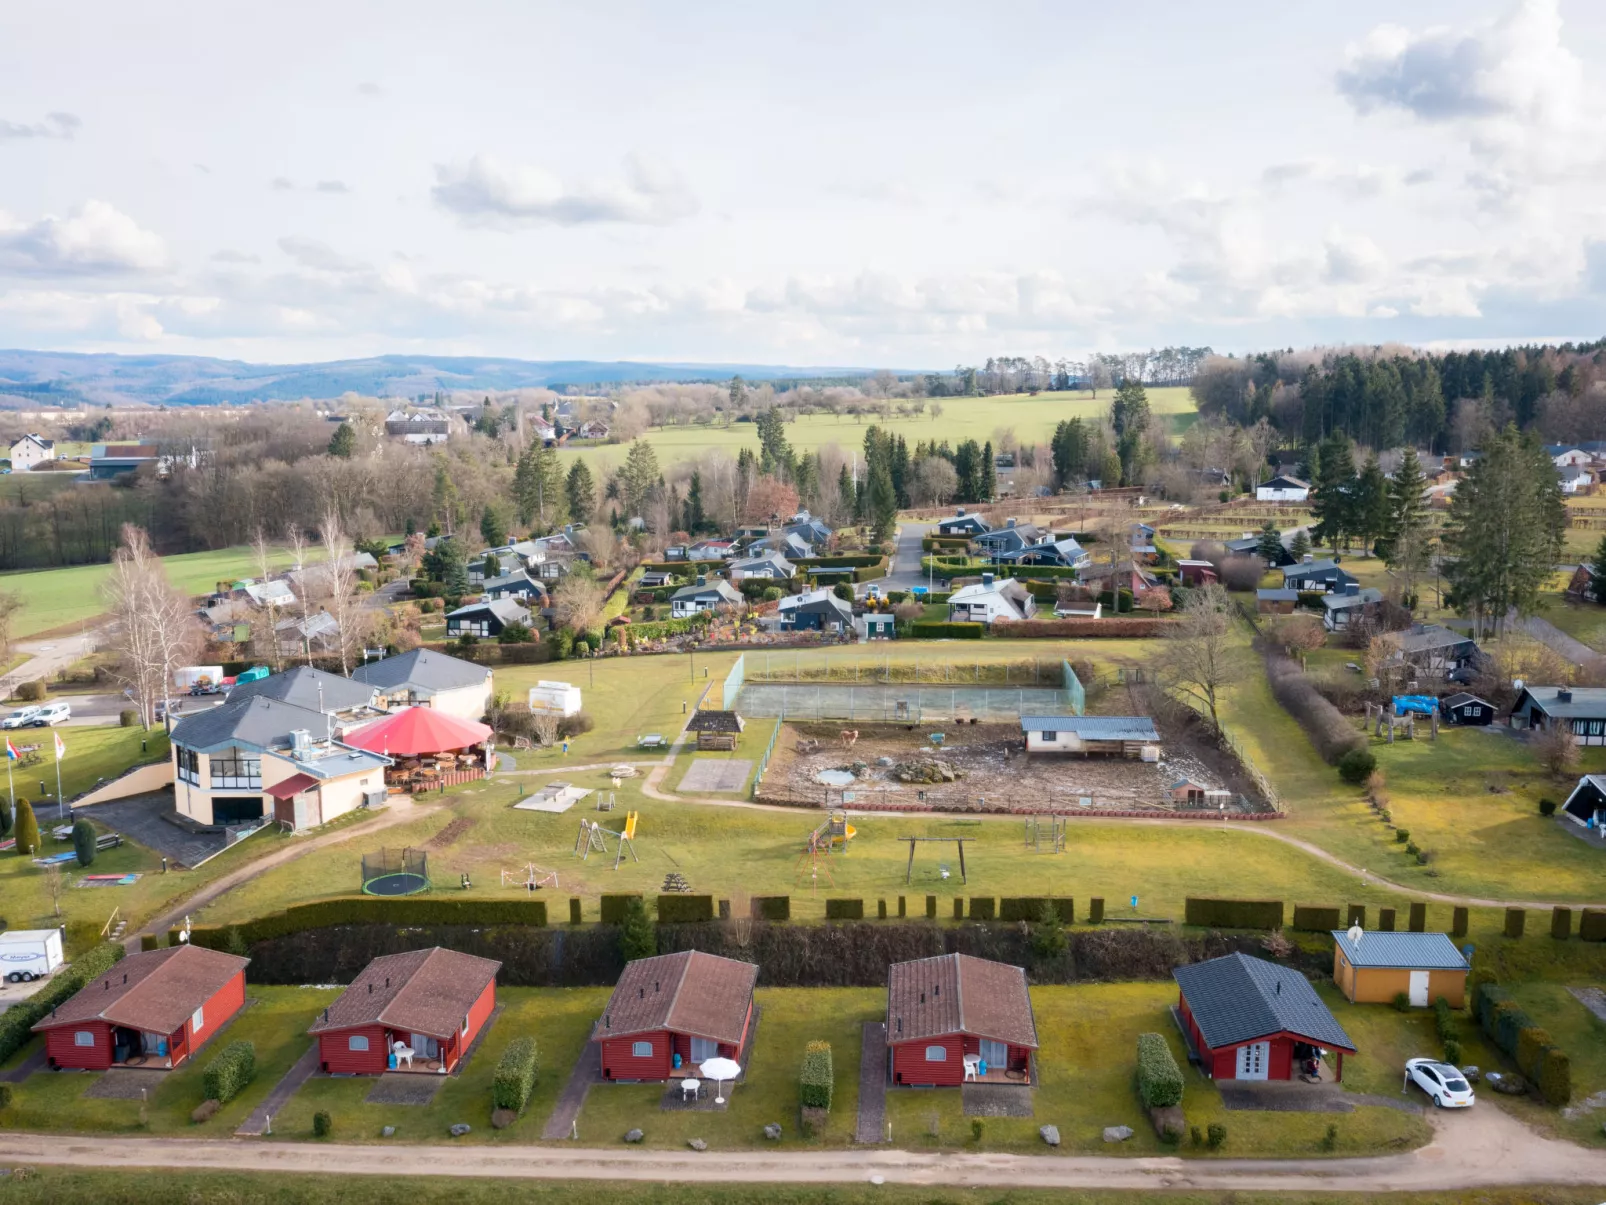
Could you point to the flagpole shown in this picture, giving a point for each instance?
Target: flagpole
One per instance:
(60, 749)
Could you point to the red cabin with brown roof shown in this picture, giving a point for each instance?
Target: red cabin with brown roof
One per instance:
(954, 1017)
(418, 1011)
(154, 1009)
(671, 1013)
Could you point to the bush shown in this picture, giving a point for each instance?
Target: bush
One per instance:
(230, 1070)
(26, 829)
(5, 1096)
(772, 594)
(978, 1129)
(1402, 1002)
(149, 941)
(1356, 915)
(982, 907)
(1329, 730)
(127, 717)
(1385, 920)
(1402, 836)
(1555, 1077)
(1030, 908)
(1411, 849)
(83, 842)
(843, 591)
(1233, 914)
(1452, 1051)
(372, 910)
(1516, 921)
(1547, 807)
(685, 909)
(1197, 1135)
(1592, 925)
(1458, 923)
(1216, 1134)
(31, 692)
(515, 1075)
(1356, 766)
(934, 630)
(1315, 920)
(1561, 923)
(1418, 922)
(615, 908)
(1095, 911)
(772, 907)
(322, 1124)
(1159, 1077)
(817, 1079)
(844, 909)
(578, 724)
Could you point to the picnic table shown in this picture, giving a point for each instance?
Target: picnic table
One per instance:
(652, 740)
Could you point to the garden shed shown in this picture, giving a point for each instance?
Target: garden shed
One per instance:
(716, 730)
(1374, 968)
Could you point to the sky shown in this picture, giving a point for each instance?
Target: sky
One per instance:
(905, 185)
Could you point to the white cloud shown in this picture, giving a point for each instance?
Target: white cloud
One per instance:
(319, 256)
(369, 88)
(487, 191)
(98, 239)
(332, 186)
(55, 125)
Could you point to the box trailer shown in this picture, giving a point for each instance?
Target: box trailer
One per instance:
(555, 698)
(29, 954)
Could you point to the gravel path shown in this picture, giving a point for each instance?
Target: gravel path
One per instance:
(873, 1084)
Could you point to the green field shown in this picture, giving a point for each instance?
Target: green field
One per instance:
(1031, 418)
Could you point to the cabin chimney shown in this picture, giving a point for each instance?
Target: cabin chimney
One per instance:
(986, 579)
(1009, 522)
(1563, 695)
(1352, 588)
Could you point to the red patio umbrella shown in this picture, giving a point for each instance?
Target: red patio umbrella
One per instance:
(418, 730)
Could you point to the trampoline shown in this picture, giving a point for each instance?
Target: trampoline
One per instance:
(392, 872)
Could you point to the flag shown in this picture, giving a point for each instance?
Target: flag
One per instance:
(11, 752)
(61, 749)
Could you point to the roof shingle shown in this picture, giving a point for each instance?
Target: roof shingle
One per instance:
(955, 993)
(155, 990)
(690, 992)
(1237, 999)
(422, 991)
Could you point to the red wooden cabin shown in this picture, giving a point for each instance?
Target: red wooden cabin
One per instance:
(418, 1011)
(153, 1009)
(671, 1013)
(955, 1017)
(1249, 1019)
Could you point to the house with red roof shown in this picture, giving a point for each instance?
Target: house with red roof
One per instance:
(418, 1011)
(153, 1009)
(955, 1018)
(673, 1012)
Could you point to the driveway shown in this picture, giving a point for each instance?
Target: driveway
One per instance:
(904, 571)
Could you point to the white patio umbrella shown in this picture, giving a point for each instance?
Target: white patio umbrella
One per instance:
(719, 1070)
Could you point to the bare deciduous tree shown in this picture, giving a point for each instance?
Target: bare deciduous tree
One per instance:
(1204, 659)
(154, 628)
(1557, 751)
(935, 481)
(578, 602)
(339, 574)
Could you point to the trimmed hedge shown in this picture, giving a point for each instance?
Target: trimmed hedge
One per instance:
(515, 1075)
(1315, 920)
(1159, 1077)
(1592, 925)
(772, 907)
(17, 1022)
(1121, 627)
(229, 1072)
(1458, 923)
(1529, 1045)
(1418, 922)
(1030, 908)
(844, 909)
(817, 1079)
(1561, 923)
(983, 907)
(406, 912)
(1357, 916)
(615, 908)
(685, 909)
(1233, 914)
(1095, 911)
(937, 630)
(1385, 920)
(1516, 922)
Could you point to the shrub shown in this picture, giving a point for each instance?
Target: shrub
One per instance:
(322, 1124)
(1423, 857)
(1402, 1002)
(934, 630)
(578, 724)
(615, 908)
(515, 1075)
(1555, 1077)
(230, 1070)
(1197, 1136)
(837, 909)
(1532, 1042)
(5, 1096)
(1030, 908)
(1329, 730)
(127, 717)
(1452, 1051)
(31, 692)
(772, 594)
(1402, 835)
(1458, 923)
(1159, 1077)
(1385, 920)
(83, 842)
(1315, 920)
(1443, 1019)
(1356, 915)
(685, 909)
(638, 937)
(1048, 931)
(1411, 849)
(1233, 914)
(1516, 921)
(1592, 925)
(982, 907)
(843, 591)
(978, 1129)
(149, 941)
(1216, 1134)
(26, 829)
(1547, 807)
(1418, 923)
(817, 1079)
(1095, 911)
(1356, 766)
(772, 907)
(1561, 923)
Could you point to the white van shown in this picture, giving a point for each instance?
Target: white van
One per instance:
(19, 718)
(50, 715)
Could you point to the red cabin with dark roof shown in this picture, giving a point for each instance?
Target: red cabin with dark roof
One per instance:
(153, 1009)
(418, 1011)
(954, 1017)
(671, 1013)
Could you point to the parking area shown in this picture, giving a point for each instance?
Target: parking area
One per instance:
(140, 818)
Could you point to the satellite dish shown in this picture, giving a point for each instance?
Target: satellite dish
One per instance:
(1355, 934)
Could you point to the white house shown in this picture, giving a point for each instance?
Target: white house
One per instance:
(1567, 456)
(1575, 479)
(1113, 735)
(1283, 488)
(990, 600)
(30, 451)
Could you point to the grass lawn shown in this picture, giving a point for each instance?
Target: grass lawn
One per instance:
(1582, 1035)
(1582, 621)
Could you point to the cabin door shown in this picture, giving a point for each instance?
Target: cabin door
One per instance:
(1419, 989)
(702, 1049)
(1254, 1060)
(425, 1047)
(995, 1054)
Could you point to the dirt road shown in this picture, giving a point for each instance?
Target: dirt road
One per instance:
(1479, 1149)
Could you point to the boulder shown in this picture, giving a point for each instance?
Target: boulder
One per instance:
(1507, 1085)
(461, 1128)
(697, 1144)
(502, 1118)
(1117, 1133)
(773, 1131)
(1049, 1134)
(885, 762)
(388, 1132)
(926, 770)
(634, 1136)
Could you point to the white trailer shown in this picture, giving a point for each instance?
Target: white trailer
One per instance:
(29, 954)
(555, 698)
(199, 679)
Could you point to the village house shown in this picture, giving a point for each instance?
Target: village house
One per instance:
(318, 632)
(1580, 710)
(1466, 709)
(815, 611)
(810, 530)
(113, 460)
(770, 565)
(1250, 546)
(419, 1011)
(1131, 736)
(990, 600)
(963, 523)
(1576, 479)
(1350, 605)
(1374, 968)
(1586, 805)
(1433, 651)
(1323, 576)
(1013, 537)
(487, 619)
(1066, 554)
(672, 1013)
(1196, 573)
(424, 678)
(421, 427)
(954, 1019)
(153, 1009)
(703, 595)
(30, 451)
(518, 585)
(1282, 488)
(1276, 600)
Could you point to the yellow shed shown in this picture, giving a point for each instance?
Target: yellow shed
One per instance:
(1374, 968)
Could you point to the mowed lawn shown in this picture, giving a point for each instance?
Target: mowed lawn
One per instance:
(1032, 419)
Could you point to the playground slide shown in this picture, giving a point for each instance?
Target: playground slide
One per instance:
(849, 832)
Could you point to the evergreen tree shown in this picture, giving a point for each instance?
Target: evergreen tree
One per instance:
(525, 477)
(638, 476)
(882, 503)
(1332, 489)
(580, 492)
(1597, 587)
(453, 567)
(898, 467)
(847, 496)
(1270, 547)
(26, 829)
(989, 475)
(344, 441)
(491, 566)
(1406, 513)
(83, 842)
(1299, 545)
(746, 474)
(775, 454)
(551, 496)
(493, 527)
(1129, 415)
(1371, 503)
(1069, 452)
(695, 519)
(448, 510)
(738, 393)
(638, 937)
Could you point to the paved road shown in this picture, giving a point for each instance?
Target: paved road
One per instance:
(904, 571)
(45, 657)
(1478, 1148)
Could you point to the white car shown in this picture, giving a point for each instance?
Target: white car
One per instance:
(1444, 1083)
(50, 715)
(20, 718)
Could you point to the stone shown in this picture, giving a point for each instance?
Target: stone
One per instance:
(1049, 1134)
(634, 1136)
(772, 1132)
(1117, 1133)
(502, 1118)
(878, 1179)
(388, 1132)
(461, 1128)
(1472, 1074)
(886, 762)
(697, 1144)
(926, 770)
(1170, 1123)
(1508, 1085)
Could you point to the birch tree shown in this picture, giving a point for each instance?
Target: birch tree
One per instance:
(342, 603)
(154, 631)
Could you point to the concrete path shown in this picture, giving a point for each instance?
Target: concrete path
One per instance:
(34, 1062)
(1550, 635)
(1477, 1148)
(275, 1101)
(873, 1084)
(587, 1071)
(904, 569)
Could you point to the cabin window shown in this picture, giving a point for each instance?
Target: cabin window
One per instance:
(1474, 711)
(641, 1050)
(465, 1025)
(703, 1049)
(936, 1054)
(1579, 727)
(1050, 736)
(189, 766)
(357, 1041)
(198, 1020)
(84, 1037)
(1595, 727)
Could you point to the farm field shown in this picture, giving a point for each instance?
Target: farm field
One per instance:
(1032, 418)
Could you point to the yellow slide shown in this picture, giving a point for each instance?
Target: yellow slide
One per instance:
(849, 832)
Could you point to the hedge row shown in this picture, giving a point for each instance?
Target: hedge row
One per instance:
(938, 543)
(1592, 925)
(1529, 1045)
(685, 909)
(983, 907)
(229, 1072)
(515, 1075)
(1329, 729)
(1315, 920)
(658, 629)
(1159, 1077)
(1030, 908)
(818, 1077)
(17, 1022)
(937, 630)
(844, 909)
(614, 908)
(1123, 627)
(772, 907)
(369, 910)
(1233, 914)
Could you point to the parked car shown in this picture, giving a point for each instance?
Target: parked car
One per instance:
(50, 715)
(1444, 1083)
(20, 718)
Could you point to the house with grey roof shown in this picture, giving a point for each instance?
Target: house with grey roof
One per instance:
(990, 600)
(766, 565)
(1245, 1018)
(487, 619)
(1325, 576)
(1349, 605)
(1107, 735)
(963, 523)
(1011, 538)
(313, 689)
(1065, 554)
(816, 611)
(1433, 651)
(425, 678)
(517, 584)
(1579, 710)
(703, 595)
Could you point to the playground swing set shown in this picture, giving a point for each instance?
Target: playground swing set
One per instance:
(593, 836)
(534, 878)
